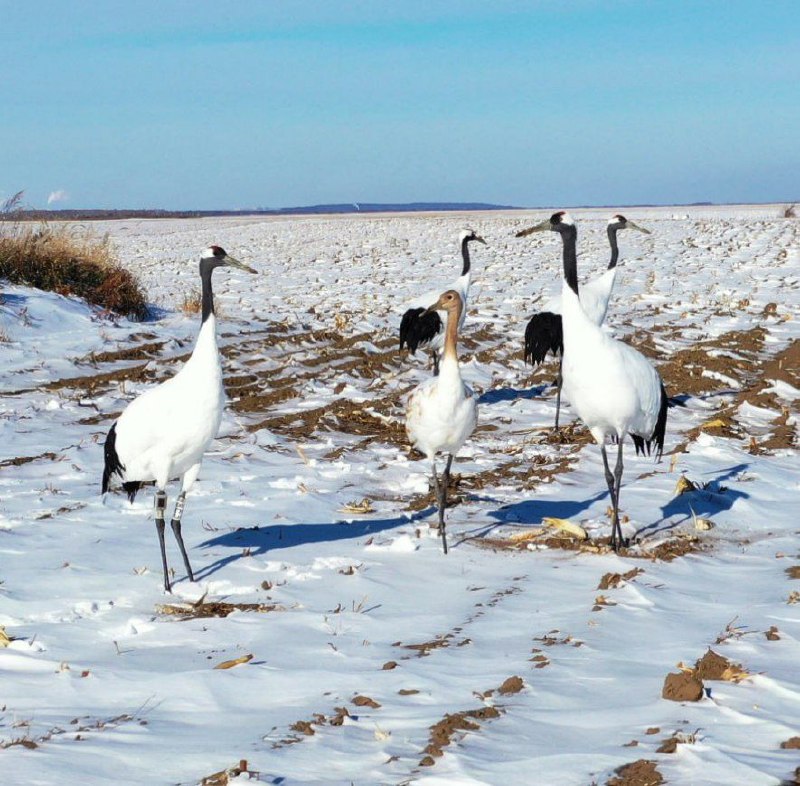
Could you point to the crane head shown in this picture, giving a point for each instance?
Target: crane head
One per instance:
(469, 235)
(618, 221)
(216, 256)
(556, 223)
(448, 301)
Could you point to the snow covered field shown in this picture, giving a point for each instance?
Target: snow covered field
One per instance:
(373, 658)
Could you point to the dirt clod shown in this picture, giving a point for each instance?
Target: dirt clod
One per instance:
(638, 773)
(682, 686)
(713, 666)
(772, 634)
(365, 701)
(791, 743)
(669, 745)
(613, 580)
(511, 685)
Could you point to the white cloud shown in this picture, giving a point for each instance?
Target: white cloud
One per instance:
(57, 196)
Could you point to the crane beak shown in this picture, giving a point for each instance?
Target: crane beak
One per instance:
(631, 225)
(544, 226)
(479, 239)
(230, 261)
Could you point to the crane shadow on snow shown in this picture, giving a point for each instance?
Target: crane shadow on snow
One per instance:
(254, 541)
(503, 395)
(706, 500)
(532, 511)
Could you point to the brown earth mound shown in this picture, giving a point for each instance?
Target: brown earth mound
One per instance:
(638, 773)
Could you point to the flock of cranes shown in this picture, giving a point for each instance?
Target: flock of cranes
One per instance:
(613, 388)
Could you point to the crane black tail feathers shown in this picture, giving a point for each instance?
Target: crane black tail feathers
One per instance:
(418, 328)
(113, 466)
(659, 432)
(542, 335)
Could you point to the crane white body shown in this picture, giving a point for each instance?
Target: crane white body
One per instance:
(442, 412)
(612, 387)
(164, 433)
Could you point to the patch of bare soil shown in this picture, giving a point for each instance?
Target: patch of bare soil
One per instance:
(75, 730)
(379, 418)
(307, 728)
(453, 726)
(525, 475)
(753, 376)
(20, 460)
(642, 772)
(733, 354)
(426, 647)
(665, 551)
(146, 351)
(200, 609)
(302, 729)
(614, 580)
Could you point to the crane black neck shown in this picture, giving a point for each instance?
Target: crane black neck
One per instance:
(465, 255)
(569, 237)
(206, 269)
(612, 239)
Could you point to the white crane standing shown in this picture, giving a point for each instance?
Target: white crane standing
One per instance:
(544, 334)
(423, 327)
(614, 389)
(164, 433)
(442, 411)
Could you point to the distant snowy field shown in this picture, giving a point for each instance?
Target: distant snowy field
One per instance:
(100, 686)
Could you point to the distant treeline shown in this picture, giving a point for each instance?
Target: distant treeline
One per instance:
(360, 207)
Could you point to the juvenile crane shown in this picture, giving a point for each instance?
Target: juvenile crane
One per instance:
(442, 411)
(423, 327)
(543, 333)
(164, 433)
(614, 389)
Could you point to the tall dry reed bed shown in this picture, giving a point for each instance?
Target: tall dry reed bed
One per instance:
(67, 259)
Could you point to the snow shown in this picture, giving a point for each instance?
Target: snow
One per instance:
(112, 690)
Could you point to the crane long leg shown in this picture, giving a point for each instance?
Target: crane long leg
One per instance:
(160, 508)
(618, 479)
(176, 530)
(440, 489)
(612, 490)
(445, 482)
(435, 357)
(559, 380)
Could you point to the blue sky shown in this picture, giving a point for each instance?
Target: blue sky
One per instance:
(232, 105)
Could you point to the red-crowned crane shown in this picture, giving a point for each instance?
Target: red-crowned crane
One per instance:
(615, 389)
(442, 412)
(164, 433)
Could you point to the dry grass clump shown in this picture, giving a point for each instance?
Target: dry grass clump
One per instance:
(192, 302)
(68, 261)
(790, 211)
